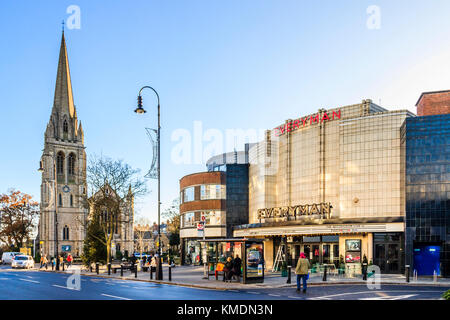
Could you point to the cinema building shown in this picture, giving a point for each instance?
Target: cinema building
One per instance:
(331, 184)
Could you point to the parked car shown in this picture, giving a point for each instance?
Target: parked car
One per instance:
(23, 261)
(8, 257)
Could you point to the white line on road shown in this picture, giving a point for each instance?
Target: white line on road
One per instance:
(108, 295)
(274, 295)
(373, 291)
(252, 292)
(63, 287)
(294, 297)
(34, 281)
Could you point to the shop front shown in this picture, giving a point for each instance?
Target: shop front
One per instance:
(338, 246)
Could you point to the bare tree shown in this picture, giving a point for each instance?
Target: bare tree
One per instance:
(141, 228)
(111, 184)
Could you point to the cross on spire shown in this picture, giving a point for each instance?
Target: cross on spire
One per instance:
(63, 25)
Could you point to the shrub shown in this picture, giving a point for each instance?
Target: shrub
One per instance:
(446, 295)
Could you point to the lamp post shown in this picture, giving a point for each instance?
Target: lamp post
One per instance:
(140, 110)
(41, 170)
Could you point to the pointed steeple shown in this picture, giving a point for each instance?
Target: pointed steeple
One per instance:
(63, 102)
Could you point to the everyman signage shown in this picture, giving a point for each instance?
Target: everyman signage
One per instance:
(323, 209)
(309, 120)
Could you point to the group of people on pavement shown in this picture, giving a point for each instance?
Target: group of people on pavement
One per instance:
(44, 261)
(232, 268)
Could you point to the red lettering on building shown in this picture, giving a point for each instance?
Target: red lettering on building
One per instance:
(293, 125)
(314, 119)
(324, 117)
(337, 114)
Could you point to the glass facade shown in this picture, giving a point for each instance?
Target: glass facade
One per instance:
(426, 145)
(213, 217)
(212, 191)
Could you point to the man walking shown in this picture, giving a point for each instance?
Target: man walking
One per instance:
(302, 271)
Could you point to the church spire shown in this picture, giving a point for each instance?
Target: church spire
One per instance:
(63, 102)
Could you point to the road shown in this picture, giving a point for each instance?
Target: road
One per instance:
(35, 285)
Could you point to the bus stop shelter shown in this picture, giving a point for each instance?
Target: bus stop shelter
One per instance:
(251, 252)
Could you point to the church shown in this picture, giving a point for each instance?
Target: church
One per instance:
(63, 215)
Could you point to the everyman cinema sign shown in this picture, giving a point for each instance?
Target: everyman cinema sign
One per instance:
(307, 121)
(293, 212)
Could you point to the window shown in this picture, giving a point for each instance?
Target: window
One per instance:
(60, 163)
(71, 200)
(71, 164)
(212, 191)
(60, 203)
(188, 194)
(66, 233)
(65, 127)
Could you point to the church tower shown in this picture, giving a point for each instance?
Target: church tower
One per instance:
(63, 166)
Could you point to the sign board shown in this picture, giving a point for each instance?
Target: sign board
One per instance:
(66, 248)
(200, 226)
(203, 218)
(290, 239)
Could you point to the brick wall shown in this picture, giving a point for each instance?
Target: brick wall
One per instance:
(433, 103)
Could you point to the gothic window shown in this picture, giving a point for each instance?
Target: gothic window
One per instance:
(71, 200)
(60, 163)
(60, 200)
(65, 127)
(71, 164)
(66, 233)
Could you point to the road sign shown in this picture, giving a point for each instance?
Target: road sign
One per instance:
(203, 218)
(200, 226)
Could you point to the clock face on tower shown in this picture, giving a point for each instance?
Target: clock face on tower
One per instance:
(66, 188)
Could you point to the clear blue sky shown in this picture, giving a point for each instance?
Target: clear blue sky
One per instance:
(230, 64)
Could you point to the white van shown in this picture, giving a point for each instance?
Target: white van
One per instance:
(8, 257)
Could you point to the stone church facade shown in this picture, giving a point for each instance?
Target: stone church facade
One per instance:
(63, 214)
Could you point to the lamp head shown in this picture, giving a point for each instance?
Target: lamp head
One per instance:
(140, 109)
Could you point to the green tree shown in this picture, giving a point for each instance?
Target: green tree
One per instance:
(94, 247)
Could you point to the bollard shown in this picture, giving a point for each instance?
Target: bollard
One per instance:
(324, 274)
(135, 271)
(90, 267)
(62, 266)
(289, 275)
(97, 267)
(109, 269)
(121, 270)
(407, 272)
(365, 271)
(434, 276)
(151, 273)
(170, 273)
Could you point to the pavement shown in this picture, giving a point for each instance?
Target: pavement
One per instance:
(192, 276)
(40, 285)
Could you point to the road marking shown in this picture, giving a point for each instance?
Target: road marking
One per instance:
(63, 287)
(406, 296)
(234, 290)
(252, 292)
(363, 292)
(125, 286)
(4, 278)
(274, 295)
(34, 281)
(292, 297)
(108, 295)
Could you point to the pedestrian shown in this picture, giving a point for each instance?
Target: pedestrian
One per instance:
(69, 260)
(42, 262)
(53, 263)
(61, 261)
(153, 263)
(228, 269)
(45, 261)
(237, 266)
(302, 271)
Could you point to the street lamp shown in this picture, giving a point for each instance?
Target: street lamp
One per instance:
(41, 170)
(140, 110)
